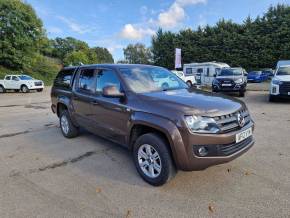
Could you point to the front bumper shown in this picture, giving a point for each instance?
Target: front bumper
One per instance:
(223, 148)
(33, 87)
(233, 88)
(276, 91)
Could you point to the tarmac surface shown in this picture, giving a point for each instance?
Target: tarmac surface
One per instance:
(43, 174)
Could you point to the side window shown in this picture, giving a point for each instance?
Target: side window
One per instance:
(106, 78)
(200, 70)
(64, 78)
(15, 78)
(188, 71)
(8, 78)
(87, 80)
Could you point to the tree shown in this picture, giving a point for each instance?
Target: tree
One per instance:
(63, 46)
(137, 54)
(20, 30)
(254, 44)
(100, 55)
(163, 48)
(75, 58)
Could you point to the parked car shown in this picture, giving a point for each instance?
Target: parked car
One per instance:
(164, 80)
(189, 79)
(166, 130)
(268, 72)
(257, 76)
(230, 80)
(280, 84)
(22, 83)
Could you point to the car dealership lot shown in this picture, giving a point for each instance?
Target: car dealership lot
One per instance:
(43, 174)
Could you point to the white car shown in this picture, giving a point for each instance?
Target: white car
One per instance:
(190, 80)
(280, 84)
(21, 83)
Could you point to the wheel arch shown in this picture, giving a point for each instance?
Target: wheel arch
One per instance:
(143, 123)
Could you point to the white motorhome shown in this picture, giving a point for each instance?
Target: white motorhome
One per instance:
(204, 72)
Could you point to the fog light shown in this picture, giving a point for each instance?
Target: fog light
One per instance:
(202, 151)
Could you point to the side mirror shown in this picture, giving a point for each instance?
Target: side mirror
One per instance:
(111, 91)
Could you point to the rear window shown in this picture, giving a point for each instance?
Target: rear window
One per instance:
(64, 78)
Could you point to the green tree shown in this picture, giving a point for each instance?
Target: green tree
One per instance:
(163, 49)
(21, 31)
(75, 58)
(137, 54)
(100, 55)
(254, 44)
(64, 46)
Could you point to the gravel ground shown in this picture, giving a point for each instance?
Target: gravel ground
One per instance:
(42, 174)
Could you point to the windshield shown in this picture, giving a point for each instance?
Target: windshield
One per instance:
(256, 73)
(283, 71)
(151, 79)
(230, 72)
(24, 77)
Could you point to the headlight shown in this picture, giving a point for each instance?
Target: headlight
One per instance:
(276, 82)
(238, 81)
(200, 124)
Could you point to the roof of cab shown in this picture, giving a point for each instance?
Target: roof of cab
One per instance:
(110, 66)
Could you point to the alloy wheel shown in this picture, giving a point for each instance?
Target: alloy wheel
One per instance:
(64, 124)
(149, 161)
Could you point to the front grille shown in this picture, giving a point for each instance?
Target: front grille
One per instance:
(229, 122)
(233, 148)
(38, 83)
(284, 88)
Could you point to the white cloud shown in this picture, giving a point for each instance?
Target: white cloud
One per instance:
(176, 14)
(135, 33)
(74, 26)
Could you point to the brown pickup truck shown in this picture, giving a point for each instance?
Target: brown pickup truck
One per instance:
(167, 125)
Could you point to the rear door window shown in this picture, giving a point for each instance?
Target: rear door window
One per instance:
(64, 78)
(86, 82)
(15, 78)
(188, 71)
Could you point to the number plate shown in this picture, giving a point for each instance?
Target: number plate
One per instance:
(197, 77)
(225, 84)
(244, 135)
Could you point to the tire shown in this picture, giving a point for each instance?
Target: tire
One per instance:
(189, 83)
(39, 90)
(67, 128)
(163, 161)
(2, 89)
(242, 94)
(272, 98)
(24, 89)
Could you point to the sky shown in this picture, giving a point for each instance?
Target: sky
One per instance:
(116, 23)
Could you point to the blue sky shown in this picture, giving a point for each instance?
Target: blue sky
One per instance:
(114, 24)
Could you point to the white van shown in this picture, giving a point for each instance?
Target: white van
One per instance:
(189, 79)
(204, 72)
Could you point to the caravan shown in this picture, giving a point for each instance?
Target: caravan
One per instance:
(204, 72)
